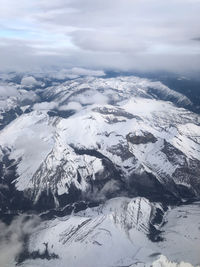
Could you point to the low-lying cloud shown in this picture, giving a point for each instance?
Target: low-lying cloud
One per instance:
(45, 106)
(29, 81)
(75, 73)
(90, 97)
(12, 238)
(71, 106)
(7, 91)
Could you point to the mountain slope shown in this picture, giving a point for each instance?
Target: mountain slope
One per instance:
(107, 164)
(116, 141)
(116, 234)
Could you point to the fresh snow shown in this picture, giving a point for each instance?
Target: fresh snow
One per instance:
(115, 234)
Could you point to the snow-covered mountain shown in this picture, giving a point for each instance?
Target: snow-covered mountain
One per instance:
(111, 138)
(117, 234)
(118, 151)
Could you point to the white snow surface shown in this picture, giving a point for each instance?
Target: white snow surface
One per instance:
(111, 115)
(41, 143)
(115, 234)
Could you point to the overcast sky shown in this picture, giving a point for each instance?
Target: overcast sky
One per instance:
(101, 34)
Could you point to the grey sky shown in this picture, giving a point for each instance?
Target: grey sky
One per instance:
(113, 34)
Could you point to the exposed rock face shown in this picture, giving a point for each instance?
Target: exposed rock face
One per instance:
(141, 139)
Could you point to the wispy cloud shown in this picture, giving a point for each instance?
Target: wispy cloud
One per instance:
(12, 238)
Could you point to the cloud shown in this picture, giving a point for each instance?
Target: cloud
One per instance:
(196, 39)
(71, 106)
(29, 81)
(87, 72)
(6, 91)
(75, 73)
(163, 261)
(107, 42)
(63, 74)
(12, 238)
(28, 97)
(89, 98)
(100, 34)
(45, 106)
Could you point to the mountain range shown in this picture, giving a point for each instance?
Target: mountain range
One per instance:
(110, 165)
